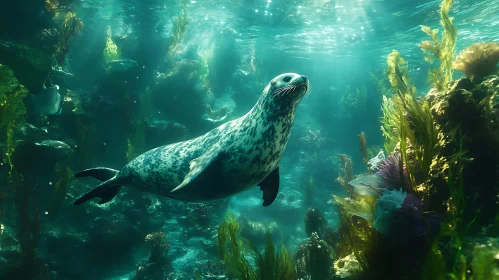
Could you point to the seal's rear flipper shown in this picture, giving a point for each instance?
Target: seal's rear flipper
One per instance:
(270, 187)
(100, 173)
(59, 111)
(104, 191)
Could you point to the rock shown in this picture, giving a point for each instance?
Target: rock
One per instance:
(47, 154)
(31, 66)
(347, 267)
(48, 38)
(30, 133)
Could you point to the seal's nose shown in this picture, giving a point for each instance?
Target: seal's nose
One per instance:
(304, 78)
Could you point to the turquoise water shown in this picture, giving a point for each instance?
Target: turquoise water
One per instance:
(137, 75)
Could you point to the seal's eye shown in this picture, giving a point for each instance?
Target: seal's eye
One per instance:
(287, 79)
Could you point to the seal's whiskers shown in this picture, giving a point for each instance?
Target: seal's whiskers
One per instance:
(283, 90)
(290, 89)
(309, 90)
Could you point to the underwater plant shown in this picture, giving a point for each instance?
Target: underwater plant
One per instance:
(381, 80)
(393, 171)
(65, 175)
(442, 49)
(8, 81)
(12, 113)
(111, 50)
(484, 263)
(352, 100)
(356, 238)
(28, 265)
(139, 119)
(346, 170)
(446, 258)
(363, 147)
(68, 30)
(359, 205)
(315, 259)
(478, 60)
(409, 121)
(357, 212)
(390, 124)
(386, 206)
(315, 222)
(179, 31)
(234, 250)
(398, 74)
(158, 265)
(421, 133)
(274, 264)
(51, 5)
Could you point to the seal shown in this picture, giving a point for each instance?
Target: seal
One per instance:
(229, 159)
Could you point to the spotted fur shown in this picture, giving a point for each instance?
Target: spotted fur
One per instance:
(246, 150)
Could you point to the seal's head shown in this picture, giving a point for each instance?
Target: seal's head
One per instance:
(288, 88)
(281, 95)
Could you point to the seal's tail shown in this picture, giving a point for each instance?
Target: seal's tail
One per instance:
(106, 190)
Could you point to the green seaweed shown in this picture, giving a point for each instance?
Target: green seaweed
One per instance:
(408, 121)
(8, 81)
(364, 153)
(381, 80)
(68, 30)
(111, 50)
(442, 49)
(12, 113)
(419, 130)
(234, 249)
(398, 74)
(484, 263)
(356, 237)
(136, 139)
(179, 31)
(390, 124)
(346, 174)
(358, 205)
(65, 175)
(446, 259)
(315, 259)
(29, 265)
(231, 248)
(274, 264)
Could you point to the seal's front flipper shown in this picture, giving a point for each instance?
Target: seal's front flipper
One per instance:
(104, 191)
(100, 173)
(208, 163)
(270, 187)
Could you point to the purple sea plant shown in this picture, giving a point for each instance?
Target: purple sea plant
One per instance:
(403, 217)
(394, 172)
